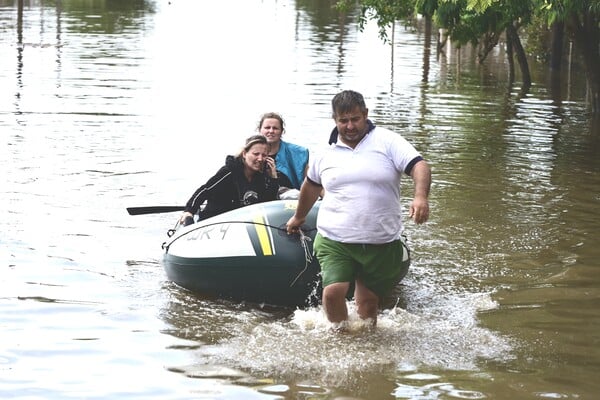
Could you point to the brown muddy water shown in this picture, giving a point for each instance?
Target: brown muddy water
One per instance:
(107, 105)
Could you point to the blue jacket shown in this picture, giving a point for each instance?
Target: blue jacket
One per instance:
(292, 160)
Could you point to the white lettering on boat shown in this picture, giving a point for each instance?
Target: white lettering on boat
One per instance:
(225, 239)
(209, 232)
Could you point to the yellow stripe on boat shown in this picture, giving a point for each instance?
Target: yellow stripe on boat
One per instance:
(263, 235)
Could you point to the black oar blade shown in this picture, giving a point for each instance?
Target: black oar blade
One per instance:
(153, 209)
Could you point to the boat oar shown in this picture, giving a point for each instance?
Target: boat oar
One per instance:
(153, 209)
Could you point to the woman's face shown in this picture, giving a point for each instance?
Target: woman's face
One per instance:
(254, 158)
(271, 129)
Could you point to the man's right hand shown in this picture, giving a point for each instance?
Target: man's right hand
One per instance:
(293, 225)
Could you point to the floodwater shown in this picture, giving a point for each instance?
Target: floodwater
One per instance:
(112, 104)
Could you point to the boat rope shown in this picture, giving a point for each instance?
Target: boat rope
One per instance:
(304, 239)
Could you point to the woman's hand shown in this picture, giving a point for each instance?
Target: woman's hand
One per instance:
(185, 218)
(270, 167)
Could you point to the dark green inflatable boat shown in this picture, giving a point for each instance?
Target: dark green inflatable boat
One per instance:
(247, 255)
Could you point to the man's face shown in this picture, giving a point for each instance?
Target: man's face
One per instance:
(352, 126)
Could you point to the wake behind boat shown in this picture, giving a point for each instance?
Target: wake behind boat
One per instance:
(247, 255)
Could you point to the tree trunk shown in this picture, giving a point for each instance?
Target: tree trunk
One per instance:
(586, 35)
(556, 56)
(510, 55)
(513, 36)
(558, 38)
(442, 40)
(427, 48)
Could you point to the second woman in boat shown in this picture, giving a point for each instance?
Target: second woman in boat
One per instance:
(291, 158)
(248, 178)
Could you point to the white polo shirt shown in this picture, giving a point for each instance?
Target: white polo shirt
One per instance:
(362, 187)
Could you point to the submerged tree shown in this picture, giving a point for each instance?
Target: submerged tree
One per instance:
(482, 22)
(581, 19)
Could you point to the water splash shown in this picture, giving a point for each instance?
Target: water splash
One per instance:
(304, 343)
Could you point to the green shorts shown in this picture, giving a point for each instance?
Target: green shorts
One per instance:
(379, 266)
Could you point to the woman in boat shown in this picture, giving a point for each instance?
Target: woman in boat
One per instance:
(248, 178)
(291, 159)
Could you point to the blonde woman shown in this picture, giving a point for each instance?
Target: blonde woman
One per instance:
(248, 178)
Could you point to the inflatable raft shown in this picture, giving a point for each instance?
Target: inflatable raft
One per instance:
(247, 255)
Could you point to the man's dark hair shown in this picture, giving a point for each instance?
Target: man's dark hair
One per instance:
(347, 101)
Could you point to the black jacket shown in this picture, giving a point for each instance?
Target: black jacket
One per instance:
(229, 189)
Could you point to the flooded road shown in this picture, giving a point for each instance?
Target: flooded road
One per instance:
(108, 105)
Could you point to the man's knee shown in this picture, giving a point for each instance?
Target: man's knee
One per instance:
(335, 292)
(367, 302)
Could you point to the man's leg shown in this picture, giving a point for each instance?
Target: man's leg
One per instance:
(334, 301)
(367, 302)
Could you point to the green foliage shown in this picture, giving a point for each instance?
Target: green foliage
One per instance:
(561, 10)
(383, 12)
(448, 13)
(538, 39)
(479, 6)
(469, 21)
(426, 7)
